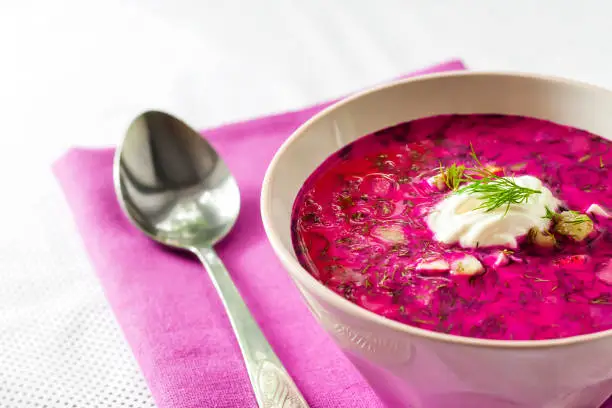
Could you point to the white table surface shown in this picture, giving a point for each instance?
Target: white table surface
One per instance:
(75, 72)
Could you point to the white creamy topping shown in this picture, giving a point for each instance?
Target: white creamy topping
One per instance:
(456, 218)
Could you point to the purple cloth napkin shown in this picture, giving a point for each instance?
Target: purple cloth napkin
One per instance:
(166, 305)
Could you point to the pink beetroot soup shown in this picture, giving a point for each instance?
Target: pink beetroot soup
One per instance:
(377, 181)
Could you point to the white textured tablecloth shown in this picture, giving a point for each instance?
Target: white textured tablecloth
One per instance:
(75, 73)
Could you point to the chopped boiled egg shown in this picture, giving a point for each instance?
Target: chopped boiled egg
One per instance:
(598, 210)
(437, 181)
(467, 265)
(436, 265)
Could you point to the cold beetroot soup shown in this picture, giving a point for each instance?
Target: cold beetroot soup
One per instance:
(486, 226)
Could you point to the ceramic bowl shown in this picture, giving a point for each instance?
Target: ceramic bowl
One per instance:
(413, 367)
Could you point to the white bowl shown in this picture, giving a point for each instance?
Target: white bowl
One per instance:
(408, 366)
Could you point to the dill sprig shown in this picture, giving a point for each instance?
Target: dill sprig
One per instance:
(453, 176)
(494, 191)
(474, 156)
(550, 214)
(498, 192)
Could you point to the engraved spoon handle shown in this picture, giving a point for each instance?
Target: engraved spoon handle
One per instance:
(272, 385)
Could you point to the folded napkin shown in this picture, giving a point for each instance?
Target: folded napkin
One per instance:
(166, 305)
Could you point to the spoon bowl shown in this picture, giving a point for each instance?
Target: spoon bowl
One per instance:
(174, 187)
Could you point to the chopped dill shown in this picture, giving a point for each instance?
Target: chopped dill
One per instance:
(474, 156)
(453, 176)
(601, 162)
(535, 278)
(584, 158)
(601, 300)
(422, 321)
(550, 214)
(382, 280)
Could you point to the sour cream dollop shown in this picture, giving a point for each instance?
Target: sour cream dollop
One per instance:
(456, 218)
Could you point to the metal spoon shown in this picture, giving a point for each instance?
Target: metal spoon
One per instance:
(174, 187)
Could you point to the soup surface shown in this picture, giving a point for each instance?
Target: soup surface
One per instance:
(364, 224)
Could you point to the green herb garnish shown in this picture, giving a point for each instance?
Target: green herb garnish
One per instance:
(601, 300)
(494, 191)
(601, 163)
(474, 156)
(550, 214)
(345, 201)
(535, 278)
(453, 176)
(584, 158)
(383, 279)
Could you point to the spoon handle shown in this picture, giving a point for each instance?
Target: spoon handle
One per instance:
(271, 383)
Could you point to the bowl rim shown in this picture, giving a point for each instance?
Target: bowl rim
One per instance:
(299, 273)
